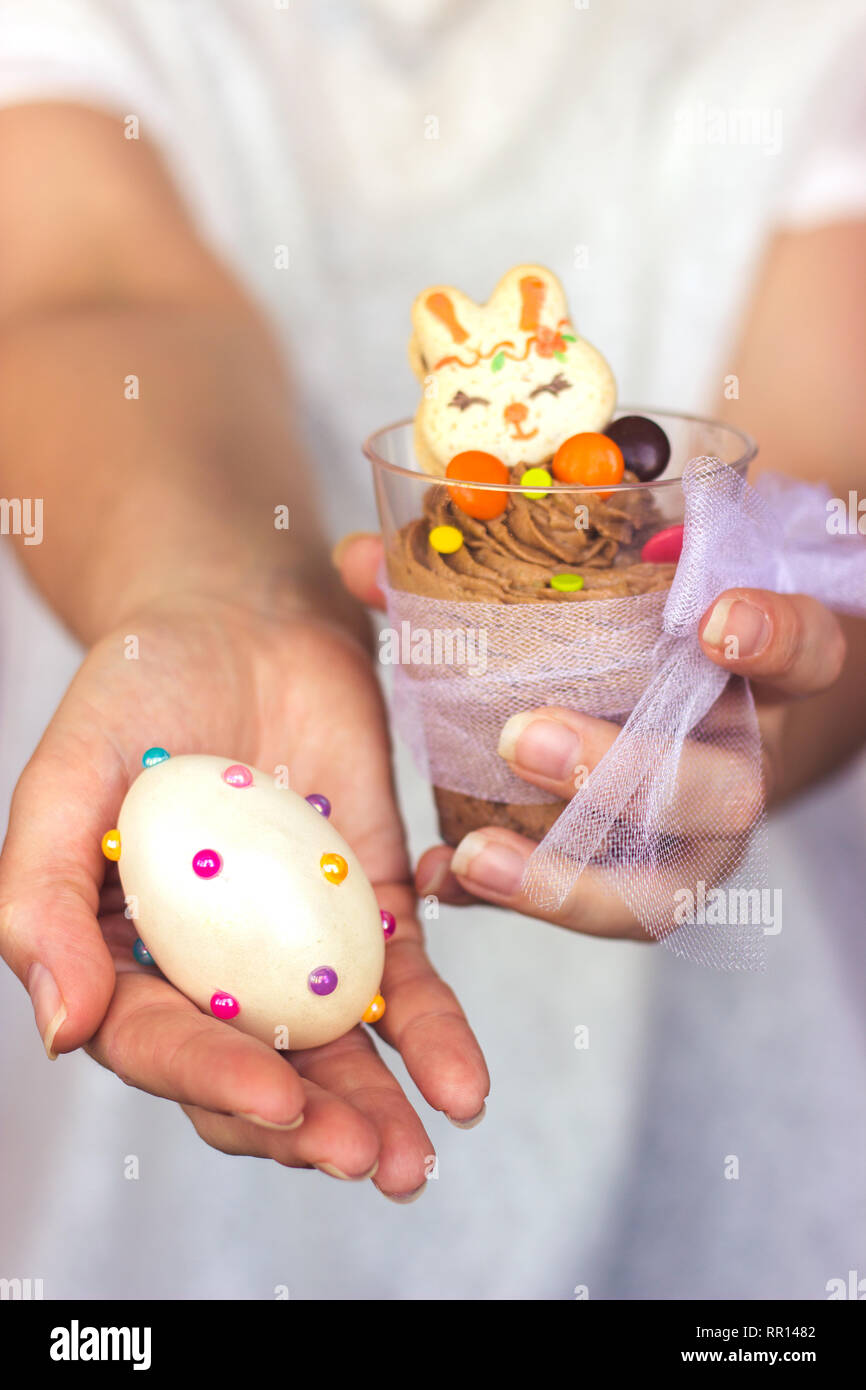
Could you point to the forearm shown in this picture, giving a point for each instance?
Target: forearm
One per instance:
(160, 442)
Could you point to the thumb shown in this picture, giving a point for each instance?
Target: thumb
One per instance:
(358, 557)
(788, 642)
(50, 871)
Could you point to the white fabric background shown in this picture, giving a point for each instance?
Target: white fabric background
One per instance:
(560, 140)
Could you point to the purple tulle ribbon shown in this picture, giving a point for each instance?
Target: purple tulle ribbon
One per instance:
(671, 820)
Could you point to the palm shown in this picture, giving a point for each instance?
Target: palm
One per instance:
(298, 695)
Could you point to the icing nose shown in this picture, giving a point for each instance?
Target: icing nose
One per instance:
(516, 413)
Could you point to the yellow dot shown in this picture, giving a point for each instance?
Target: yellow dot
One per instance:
(536, 477)
(374, 1011)
(111, 844)
(446, 539)
(566, 583)
(334, 867)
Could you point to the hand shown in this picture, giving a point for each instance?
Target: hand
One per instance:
(218, 677)
(788, 646)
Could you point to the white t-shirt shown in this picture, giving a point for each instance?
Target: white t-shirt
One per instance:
(644, 152)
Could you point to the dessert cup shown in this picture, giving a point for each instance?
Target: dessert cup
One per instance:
(589, 543)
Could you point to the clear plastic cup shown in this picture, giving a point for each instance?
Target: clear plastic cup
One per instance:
(411, 503)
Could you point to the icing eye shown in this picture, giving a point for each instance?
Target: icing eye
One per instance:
(558, 384)
(462, 402)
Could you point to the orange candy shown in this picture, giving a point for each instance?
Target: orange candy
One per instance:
(589, 459)
(375, 1010)
(474, 466)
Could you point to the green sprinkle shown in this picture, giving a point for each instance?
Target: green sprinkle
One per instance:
(568, 337)
(498, 362)
(560, 356)
(566, 583)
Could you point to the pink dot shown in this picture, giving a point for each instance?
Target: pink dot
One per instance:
(238, 776)
(389, 926)
(224, 1005)
(207, 863)
(664, 547)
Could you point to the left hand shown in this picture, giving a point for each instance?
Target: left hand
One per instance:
(788, 646)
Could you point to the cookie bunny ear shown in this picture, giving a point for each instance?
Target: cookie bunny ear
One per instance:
(445, 324)
(527, 298)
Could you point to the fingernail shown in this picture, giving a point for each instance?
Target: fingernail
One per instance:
(404, 1198)
(540, 745)
(342, 546)
(738, 628)
(437, 880)
(333, 1172)
(268, 1124)
(467, 1124)
(491, 865)
(48, 1005)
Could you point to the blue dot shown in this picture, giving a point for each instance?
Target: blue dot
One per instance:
(154, 756)
(141, 953)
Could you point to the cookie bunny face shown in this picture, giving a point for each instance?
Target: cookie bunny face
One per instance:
(509, 377)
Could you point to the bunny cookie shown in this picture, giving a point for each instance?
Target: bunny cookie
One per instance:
(508, 377)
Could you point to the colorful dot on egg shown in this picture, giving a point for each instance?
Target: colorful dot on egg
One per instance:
(207, 863)
(334, 867)
(224, 1005)
(566, 583)
(389, 925)
(141, 953)
(319, 803)
(111, 844)
(154, 756)
(323, 980)
(374, 1010)
(238, 776)
(446, 539)
(536, 478)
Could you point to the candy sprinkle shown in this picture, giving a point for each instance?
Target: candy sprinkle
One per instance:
(323, 980)
(375, 1010)
(238, 776)
(111, 844)
(207, 863)
(536, 477)
(566, 583)
(224, 1005)
(389, 925)
(446, 539)
(319, 803)
(141, 953)
(154, 756)
(334, 867)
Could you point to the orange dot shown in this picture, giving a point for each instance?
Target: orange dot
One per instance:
(374, 1011)
(111, 844)
(474, 466)
(334, 867)
(589, 459)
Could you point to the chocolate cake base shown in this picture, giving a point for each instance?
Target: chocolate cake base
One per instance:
(458, 814)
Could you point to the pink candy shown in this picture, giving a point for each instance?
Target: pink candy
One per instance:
(664, 547)
(238, 776)
(224, 1006)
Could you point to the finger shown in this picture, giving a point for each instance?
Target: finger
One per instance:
(434, 879)
(335, 1138)
(490, 864)
(556, 749)
(358, 557)
(790, 643)
(50, 870)
(157, 1040)
(351, 1069)
(425, 1023)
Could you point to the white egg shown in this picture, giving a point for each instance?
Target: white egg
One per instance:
(235, 892)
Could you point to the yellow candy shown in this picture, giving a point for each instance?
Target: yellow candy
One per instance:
(446, 539)
(566, 583)
(111, 844)
(374, 1011)
(334, 867)
(536, 477)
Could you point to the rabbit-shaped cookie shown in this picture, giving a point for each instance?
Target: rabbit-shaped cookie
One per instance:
(509, 377)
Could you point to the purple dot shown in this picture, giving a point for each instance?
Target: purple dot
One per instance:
(207, 863)
(389, 926)
(321, 803)
(323, 980)
(238, 776)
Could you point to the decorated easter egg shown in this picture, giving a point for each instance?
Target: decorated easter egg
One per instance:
(249, 901)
